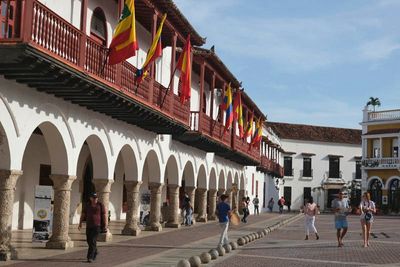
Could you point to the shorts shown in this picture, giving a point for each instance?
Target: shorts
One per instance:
(339, 224)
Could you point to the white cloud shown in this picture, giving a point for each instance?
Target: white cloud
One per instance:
(379, 49)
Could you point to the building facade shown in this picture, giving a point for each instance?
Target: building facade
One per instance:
(318, 162)
(381, 159)
(69, 121)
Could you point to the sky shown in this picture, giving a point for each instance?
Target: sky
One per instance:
(307, 61)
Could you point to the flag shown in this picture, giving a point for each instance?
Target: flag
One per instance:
(228, 107)
(249, 127)
(185, 67)
(257, 133)
(154, 52)
(238, 112)
(124, 43)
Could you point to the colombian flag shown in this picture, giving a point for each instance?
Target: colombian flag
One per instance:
(124, 43)
(249, 127)
(154, 52)
(185, 67)
(257, 133)
(238, 112)
(228, 107)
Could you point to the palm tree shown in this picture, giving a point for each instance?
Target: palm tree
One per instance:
(374, 101)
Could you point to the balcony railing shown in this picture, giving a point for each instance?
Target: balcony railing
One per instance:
(384, 115)
(386, 163)
(271, 167)
(49, 33)
(306, 174)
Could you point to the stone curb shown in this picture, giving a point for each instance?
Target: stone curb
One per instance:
(220, 251)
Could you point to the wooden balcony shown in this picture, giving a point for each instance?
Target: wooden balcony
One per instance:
(209, 135)
(270, 167)
(49, 54)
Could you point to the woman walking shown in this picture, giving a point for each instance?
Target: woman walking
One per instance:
(367, 208)
(310, 211)
(245, 209)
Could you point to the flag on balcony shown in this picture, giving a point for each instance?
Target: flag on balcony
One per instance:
(238, 111)
(154, 52)
(228, 107)
(124, 43)
(257, 133)
(249, 127)
(185, 67)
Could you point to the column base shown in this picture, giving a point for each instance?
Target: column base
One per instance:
(5, 255)
(154, 228)
(131, 231)
(104, 237)
(59, 244)
(201, 219)
(173, 225)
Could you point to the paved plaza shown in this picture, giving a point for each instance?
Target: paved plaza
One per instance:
(283, 247)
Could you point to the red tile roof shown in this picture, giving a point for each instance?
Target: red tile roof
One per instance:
(315, 133)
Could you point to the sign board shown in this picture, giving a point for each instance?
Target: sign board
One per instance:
(384, 200)
(43, 215)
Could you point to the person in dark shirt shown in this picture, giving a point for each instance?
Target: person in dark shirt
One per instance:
(223, 212)
(95, 216)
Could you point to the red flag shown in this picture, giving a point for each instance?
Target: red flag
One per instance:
(185, 67)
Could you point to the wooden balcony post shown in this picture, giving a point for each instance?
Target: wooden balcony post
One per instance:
(212, 88)
(82, 44)
(27, 17)
(152, 66)
(202, 73)
(173, 66)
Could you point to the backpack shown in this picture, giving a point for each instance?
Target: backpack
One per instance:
(279, 202)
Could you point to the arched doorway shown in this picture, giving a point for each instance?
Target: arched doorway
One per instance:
(394, 195)
(98, 26)
(375, 189)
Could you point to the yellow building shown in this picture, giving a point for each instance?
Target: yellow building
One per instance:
(381, 159)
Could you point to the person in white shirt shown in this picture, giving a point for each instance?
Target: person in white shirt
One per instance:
(340, 207)
(310, 211)
(367, 209)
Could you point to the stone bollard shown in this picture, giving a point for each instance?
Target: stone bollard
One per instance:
(205, 257)
(241, 241)
(195, 261)
(234, 245)
(183, 263)
(227, 248)
(214, 253)
(221, 250)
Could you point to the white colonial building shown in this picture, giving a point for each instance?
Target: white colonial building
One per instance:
(318, 162)
(68, 123)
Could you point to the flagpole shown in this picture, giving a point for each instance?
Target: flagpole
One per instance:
(104, 63)
(169, 85)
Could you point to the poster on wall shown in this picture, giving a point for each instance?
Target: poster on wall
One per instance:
(43, 215)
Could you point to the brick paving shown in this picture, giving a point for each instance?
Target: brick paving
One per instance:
(287, 247)
(157, 249)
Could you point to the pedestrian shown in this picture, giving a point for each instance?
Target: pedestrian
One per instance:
(288, 204)
(281, 203)
(310, 211)
(256, 203)
(224, 212)
(95, 216)
(245, 209)
(341, 208)
(188, 212)
(367, 208)
(271, 203)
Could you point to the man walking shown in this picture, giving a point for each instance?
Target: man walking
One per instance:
(256, 203)
(281, 203)
(223, 211)
(95, 216)
(340, 207)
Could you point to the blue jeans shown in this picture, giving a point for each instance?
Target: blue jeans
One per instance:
(224, 234)
(188, 217)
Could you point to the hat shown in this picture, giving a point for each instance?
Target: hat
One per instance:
(94, 195)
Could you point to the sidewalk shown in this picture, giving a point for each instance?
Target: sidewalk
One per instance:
(164, 248)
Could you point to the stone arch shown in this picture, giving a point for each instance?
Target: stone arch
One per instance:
(151, 168)
(372, 178)
(202, 178)
(101, 126)
(221, 180)
(213, 179)
(5, 155)
(236, 179)
(389, 181)
(98, 156)
(6, 109)
(188, 174)
(172, 171)
(130, 163)
(242, 185)
(229, 180)
(375, 186)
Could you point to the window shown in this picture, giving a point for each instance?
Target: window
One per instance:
(307, 171)
(98, 28)
(252, 184)
(358, 169)
(287, 163)
(287, 194)
(44, 175)
(256, 187)
(376, 148)
(204, 103)
(306, 192)
(334, 167)
(395, 145)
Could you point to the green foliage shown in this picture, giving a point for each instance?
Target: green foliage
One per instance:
(374, 101)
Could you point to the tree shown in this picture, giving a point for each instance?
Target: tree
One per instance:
(374, 101)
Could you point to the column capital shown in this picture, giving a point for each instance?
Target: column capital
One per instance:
(201, 190)
(103, 185)
(173, 186)
(212, 190)
(8, 179)
(190, 187)
(62, 182)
